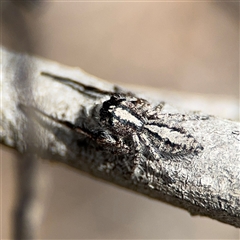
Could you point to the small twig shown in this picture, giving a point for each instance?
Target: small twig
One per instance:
(205, 184)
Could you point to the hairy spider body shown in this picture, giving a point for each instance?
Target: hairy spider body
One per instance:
(131, 126)
(126, 116)
(127, 125)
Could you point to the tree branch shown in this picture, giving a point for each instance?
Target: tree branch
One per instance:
(206, 184)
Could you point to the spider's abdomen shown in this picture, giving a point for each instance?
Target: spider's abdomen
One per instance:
(171, 140)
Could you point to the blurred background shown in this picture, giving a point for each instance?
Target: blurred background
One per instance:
(188, 46)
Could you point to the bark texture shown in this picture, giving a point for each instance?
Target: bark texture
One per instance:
(207, 184)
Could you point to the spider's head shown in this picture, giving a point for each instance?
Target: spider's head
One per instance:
(121, 114)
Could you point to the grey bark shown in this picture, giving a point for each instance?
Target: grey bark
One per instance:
(208, 184)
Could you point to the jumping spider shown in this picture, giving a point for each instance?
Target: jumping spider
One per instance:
(126, 124)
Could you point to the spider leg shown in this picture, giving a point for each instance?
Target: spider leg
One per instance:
(149, 147)
(138, 173)
(152, 165)
(159, 106)
(155, 112)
